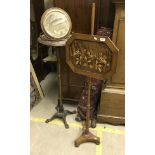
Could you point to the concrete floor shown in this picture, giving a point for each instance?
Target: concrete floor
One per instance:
(54, 139)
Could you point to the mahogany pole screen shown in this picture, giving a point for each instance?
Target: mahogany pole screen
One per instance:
(94, 57)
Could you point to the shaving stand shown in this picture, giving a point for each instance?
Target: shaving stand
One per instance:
(61, 113)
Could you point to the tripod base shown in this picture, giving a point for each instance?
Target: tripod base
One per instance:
(61, 114)
(87, 137)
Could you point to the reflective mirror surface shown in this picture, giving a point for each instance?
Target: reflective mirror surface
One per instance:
(56, 23)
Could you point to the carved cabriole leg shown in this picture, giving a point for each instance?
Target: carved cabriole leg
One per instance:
(52, 118)
(64, 120)
(61, 115)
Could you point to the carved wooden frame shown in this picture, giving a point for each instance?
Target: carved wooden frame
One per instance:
(97, 39)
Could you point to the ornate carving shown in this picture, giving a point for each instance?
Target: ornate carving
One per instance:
(95, 57)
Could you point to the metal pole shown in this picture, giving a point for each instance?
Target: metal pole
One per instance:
(59, 75)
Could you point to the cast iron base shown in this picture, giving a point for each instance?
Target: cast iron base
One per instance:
(61, 114)
(87, 137)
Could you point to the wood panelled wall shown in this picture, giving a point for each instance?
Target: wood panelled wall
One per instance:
(106, 13)
(80, 13)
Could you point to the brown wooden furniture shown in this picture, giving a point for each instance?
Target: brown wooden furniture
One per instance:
(94, 57)
(112, 104)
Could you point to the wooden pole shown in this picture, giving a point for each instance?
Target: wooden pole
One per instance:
(89, 79)
(93, 19)
(88, 136)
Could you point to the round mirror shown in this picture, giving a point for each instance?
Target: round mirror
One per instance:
(56, 23)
